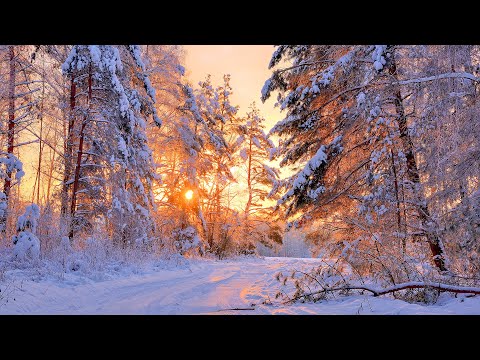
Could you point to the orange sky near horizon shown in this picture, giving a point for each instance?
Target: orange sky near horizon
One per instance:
(248, 67)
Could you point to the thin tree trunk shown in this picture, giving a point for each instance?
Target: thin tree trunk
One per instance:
(76, 178)
(434, 241)
(397, 200)
(50, 176)
(69, 148)
(36, 185)
(249, 188)
(11, 130)
(73, 206)
(217, 231)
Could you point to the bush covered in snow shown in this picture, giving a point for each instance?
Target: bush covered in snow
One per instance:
(187, 240)
(27, 245)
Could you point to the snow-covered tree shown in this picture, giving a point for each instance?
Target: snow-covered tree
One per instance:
(18, 107)
(26, 243)
(11, 171)
(220, 115)
(113, 169)
(446, 138)
(187, 239)
(347, 127)
(254, 150)
(184, 162)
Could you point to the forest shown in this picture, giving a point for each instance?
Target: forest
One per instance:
(110, 157)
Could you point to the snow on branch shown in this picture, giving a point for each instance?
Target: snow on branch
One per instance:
(394, 288)
(452, 75)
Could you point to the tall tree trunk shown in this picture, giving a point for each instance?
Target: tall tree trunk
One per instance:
(68, 157)
(397, 200)
(249, 188)
(50, 176)
(434, 241)
(73, 205)
(78, 165)
(217, 233)
(36, 185)
(217, 226)
(11, 131)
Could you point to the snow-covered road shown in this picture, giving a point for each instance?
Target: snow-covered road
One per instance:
(203, 287)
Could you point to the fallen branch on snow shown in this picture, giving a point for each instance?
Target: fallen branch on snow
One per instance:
(235, 309)
(407, 285)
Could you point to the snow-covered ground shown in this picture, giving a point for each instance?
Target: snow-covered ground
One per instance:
(196, 287)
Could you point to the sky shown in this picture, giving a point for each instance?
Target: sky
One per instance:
(248, 67)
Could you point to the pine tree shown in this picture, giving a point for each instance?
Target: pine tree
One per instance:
(346, 119)
(114, 168)
(255, 151)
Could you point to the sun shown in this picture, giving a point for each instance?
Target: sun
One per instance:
(189, 195)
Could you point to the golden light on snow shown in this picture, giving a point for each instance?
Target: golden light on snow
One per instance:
(189, 195)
